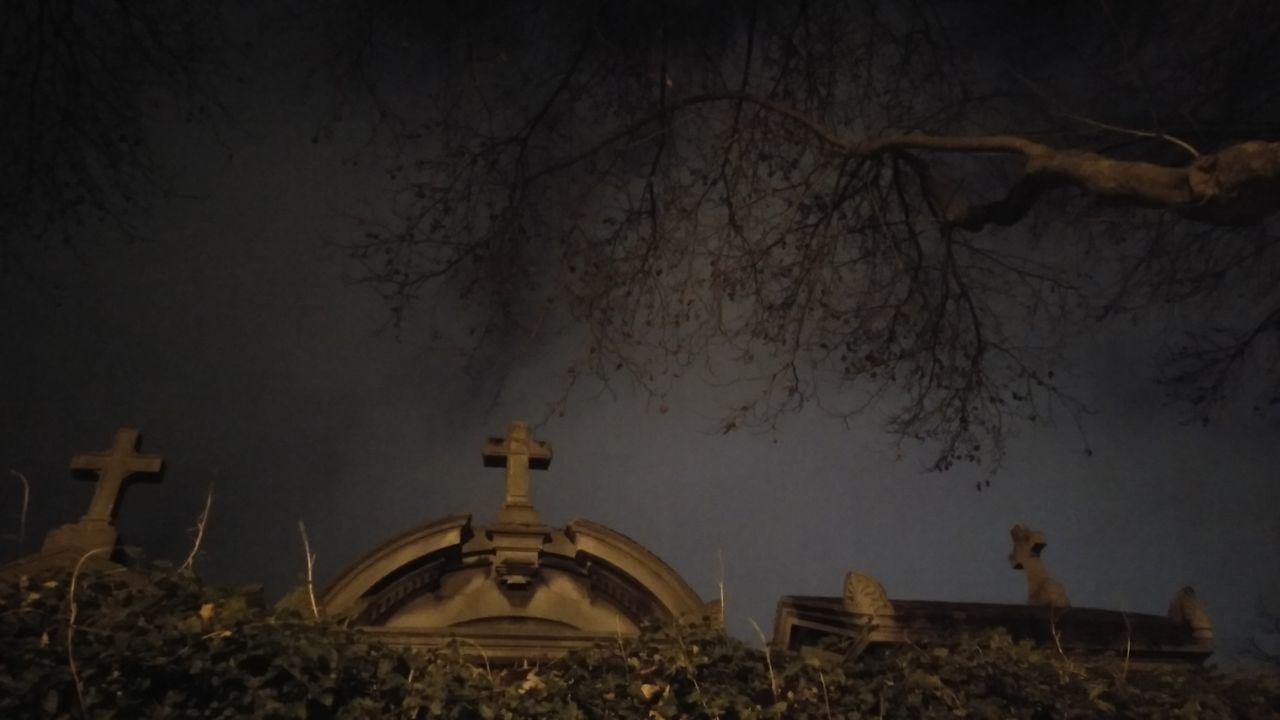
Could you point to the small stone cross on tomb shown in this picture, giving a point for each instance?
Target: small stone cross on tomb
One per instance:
(519, 453)
(112, 467)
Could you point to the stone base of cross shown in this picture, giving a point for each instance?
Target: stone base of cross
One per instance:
(516, 553)
(80, 538)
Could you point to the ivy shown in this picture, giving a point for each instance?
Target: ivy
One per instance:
(162, 644)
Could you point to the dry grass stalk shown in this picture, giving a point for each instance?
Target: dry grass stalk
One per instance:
(1069, 667)
(1128, 649)
(720, 584)
(768, 660)
(409, 712)
(826, 699)
(311, 565)
(483, 656)
(189, 563)
(622, 651)
(71, 626)
(22, 513)
(688, 662)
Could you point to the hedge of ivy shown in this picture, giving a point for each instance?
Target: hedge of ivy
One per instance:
(163, 645)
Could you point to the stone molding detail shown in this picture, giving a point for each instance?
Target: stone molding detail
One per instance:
(349, 592)
(864, 595)
(1187, 610)
(592, 541)
(1042, 589)
(389, 599)
(624, 594)
(517, 552)
(451, 564)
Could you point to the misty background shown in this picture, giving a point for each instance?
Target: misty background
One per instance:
(235, 340)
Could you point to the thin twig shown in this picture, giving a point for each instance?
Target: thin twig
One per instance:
(311, 563)
(1057, 642)
(22, 515)
(768, 660)
(622, 651)
(71, 626)
(483, 656)
(693, 676)
(1128, 648)
(1139, 133)
(826, 700)
(408, 683)
(1057, 636)
(189, 563)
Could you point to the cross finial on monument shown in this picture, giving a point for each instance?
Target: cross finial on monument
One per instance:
(519, 453)
(112, 467)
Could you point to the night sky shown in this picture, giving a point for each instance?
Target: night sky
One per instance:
(235, 340)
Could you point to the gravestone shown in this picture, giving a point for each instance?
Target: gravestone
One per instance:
(111, 468)
(515, 590)
(93, 540)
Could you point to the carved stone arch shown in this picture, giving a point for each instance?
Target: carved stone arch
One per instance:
(569, 588)
(638, 569)
(366, 579)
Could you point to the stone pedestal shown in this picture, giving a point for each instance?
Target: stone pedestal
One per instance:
(516, 550)
(515, 514)
(80, 538)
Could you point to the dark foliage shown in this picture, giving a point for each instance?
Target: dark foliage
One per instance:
(164, 645)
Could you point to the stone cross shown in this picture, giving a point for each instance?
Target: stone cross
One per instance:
(112, 467)
(518, 453)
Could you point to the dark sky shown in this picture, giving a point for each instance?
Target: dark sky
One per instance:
(233, 340)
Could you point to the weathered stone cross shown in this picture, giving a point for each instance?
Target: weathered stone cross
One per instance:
(518, 453)
(112, 467)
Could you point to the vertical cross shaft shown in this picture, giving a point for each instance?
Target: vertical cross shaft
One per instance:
(112, 467)
(518, 453)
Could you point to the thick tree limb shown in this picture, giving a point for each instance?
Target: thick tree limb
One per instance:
(795, 205)
(1238, 185)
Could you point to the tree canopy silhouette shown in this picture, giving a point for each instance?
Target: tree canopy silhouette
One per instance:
(847, 202)
(82, 83)
(915, 206)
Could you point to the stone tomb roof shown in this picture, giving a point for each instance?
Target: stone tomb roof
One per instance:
(868, 619)
(515, 589)
(804, 622)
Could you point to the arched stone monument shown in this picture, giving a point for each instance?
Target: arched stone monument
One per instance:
(515, 589)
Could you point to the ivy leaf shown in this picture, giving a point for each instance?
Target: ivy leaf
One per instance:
(50, 705)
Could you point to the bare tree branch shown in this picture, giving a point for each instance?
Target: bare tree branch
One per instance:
(834, 203)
